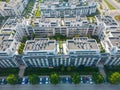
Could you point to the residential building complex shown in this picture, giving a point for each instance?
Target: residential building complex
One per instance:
(58, 18)
(72, 8)
(12, 8)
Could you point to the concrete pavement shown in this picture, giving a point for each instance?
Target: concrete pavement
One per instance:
(21, 70)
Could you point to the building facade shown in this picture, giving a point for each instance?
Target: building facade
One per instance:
(68, 9)
(13, 7)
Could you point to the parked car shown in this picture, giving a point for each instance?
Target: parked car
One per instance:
(3, 81)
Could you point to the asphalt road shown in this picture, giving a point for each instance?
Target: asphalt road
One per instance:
(60, 87)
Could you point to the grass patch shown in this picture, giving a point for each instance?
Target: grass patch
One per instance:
(109, 5)
(117, 17)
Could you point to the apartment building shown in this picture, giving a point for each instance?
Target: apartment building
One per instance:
(43, 52)
(104, 24)
(7, 50)
(37, 51)
(15, 27)
(72, 8)
(13, 7)
(111, 44)
(69, 27)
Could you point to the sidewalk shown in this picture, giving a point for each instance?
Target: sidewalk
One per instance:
(102, 71)
(21, 71)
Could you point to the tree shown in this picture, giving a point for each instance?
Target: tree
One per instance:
(114, 78)
(21, 47)
(24, 39)
(98, 78)
(62, 68)
(75, 78)
(34, 79)
(12, 79)
(54, 78)
(68, 68)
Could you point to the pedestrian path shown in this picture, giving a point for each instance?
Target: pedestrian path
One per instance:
(21, 70)
(102, 71)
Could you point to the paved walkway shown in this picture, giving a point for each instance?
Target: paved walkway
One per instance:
(102, 71)
(21, 71)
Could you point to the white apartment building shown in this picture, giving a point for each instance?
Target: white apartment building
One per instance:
(36, 52)
(44, 53)
(7, 51)
(15, 27)
(69, 27)
(13, 7)
(111, 44)
(72, 8)
(104, 25)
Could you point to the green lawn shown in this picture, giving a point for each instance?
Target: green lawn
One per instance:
(109, 5)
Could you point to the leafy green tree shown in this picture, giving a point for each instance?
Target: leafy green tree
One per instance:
(68, 68)
(12, 79)
(114, 78)
(21, 47)
(75, 78)
(54, 78)
(62, 68)
(98, 78)
(34, 79)
(24, 39)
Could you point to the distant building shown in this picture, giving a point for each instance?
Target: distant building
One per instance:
(70, 9)
(13, 7)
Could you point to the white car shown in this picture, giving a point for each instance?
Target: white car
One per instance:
(91, 81)
(46, 79)
(66, 78)
(3, 81)
(23, 81)
(40, 79)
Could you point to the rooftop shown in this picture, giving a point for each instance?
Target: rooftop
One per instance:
(115, 34)
(5, 44)
(108, 20)
(115, 41)
(82, 43)
(39, 44)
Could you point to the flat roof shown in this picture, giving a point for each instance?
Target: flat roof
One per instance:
(5, 44)
(39, 44)
(115, 41)
(108, 20)
(116, 34)
(82, 43)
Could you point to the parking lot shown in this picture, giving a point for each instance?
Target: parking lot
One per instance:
(46, 80)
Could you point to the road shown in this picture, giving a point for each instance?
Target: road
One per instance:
(60, 87)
